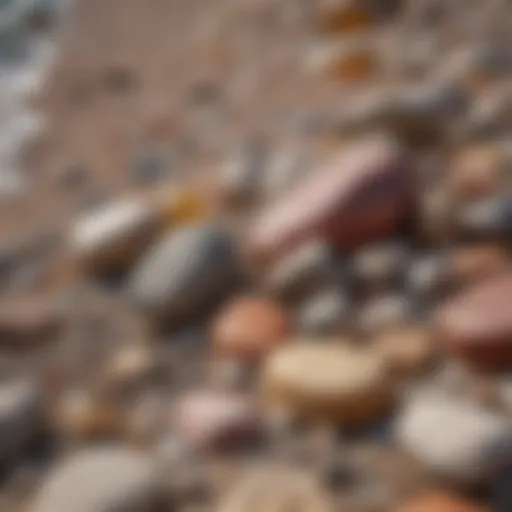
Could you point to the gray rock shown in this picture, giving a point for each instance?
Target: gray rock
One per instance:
(455, 439)
(185, 271)
(428, 274)
(21, 417)
(384, 311)
(150, 167)
(324, 313)
(487, 218)
(100, 480)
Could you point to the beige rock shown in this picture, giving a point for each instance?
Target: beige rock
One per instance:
(328, 381)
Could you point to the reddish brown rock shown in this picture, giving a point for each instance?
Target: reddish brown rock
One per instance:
(215, 419)
(439, 501)
(249, 327)
(477, 325)
(361, 194)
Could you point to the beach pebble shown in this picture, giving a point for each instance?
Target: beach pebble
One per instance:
(475, 325)
(215, 420)
(277, 489)
(455, 439)
(184, 271)
(324, 312)
(363, 193)
(249, 327)
(328, 381)
(99, 480)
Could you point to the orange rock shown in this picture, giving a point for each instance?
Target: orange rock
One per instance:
(362, 194)
(249, 327)
(439, 501)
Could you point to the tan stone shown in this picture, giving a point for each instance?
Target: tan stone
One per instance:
(328, 381)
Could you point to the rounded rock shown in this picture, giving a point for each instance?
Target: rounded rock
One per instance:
(476, 325)
(249, 327)
(457, 440)
(184, 272)
(211, 420)
(100, 480)
(328, 381)
(363, 193)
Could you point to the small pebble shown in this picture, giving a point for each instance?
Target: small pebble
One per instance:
(249, 327)
(385, 312)
(439, 501)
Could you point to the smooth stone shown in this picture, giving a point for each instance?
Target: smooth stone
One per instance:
(21, 417)
(455, 439)
(150, 167)
(249, 327)
(328, 381)
(324, 312)
(278, 489)
(215, 420)
(439, 501)
(429, 274)
(115, 234)
(476, 325)
(311, 265)
(363, 193)
(100, 480)
(185, 271)
(487, 218)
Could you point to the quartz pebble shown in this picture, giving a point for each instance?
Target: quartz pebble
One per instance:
(362, 193)
(455, 439)
(328, 381)
(476, 324)
(100, 480)
(249, 327)
(215, 420)
(184, 272)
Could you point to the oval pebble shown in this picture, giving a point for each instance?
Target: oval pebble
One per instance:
(362, 193)
(328, 381)
(476, 325)
(249, 327)
(455, 439)
(100, 480)
(184, 272)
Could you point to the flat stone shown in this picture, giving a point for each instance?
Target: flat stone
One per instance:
(184, 272)
(328, 381)
(249, 327)
(476, 325)
(99, 480)
(362, 193)
(439, 501)
(455, 439)
(215, 420)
